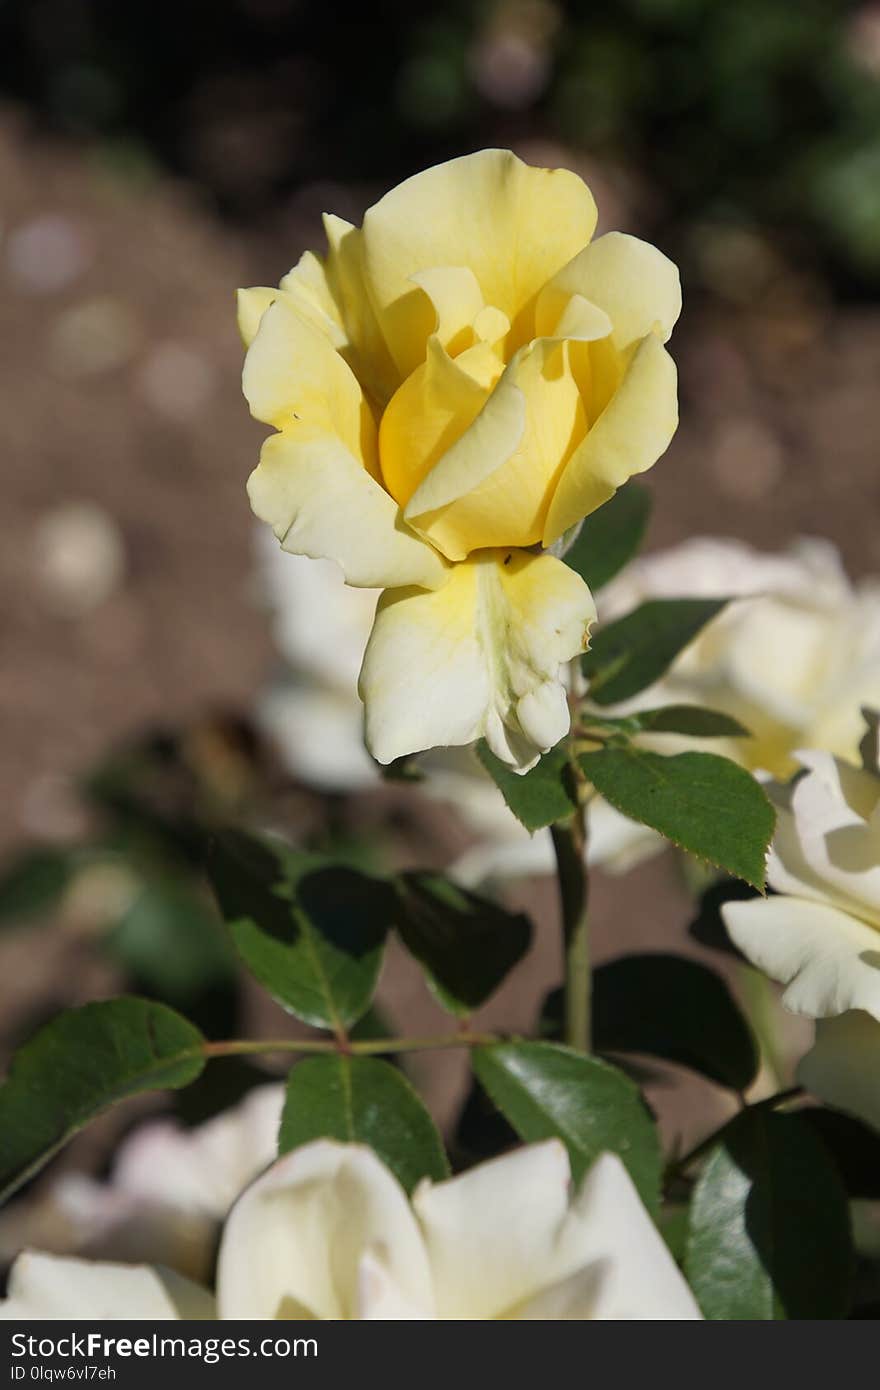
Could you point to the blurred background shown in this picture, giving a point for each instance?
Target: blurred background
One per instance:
(155, 156)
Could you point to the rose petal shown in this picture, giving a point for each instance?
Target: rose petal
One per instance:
(481, 656)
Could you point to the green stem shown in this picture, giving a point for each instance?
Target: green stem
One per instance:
(569, 843)
(237, 1047)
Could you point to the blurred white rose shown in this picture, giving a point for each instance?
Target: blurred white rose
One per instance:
(168, 1192)
(821, 936)
(320, 626)
(794, 660)
(328, 1233)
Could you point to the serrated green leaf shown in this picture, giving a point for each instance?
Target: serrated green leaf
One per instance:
(670, 719)
(610, 536)
(312, 933)
(79, 1064)
(541, 796)
(466, 944)
(705, 804)
(545, 1090)
(363, 1100)
(769, 1233)
(628, 655)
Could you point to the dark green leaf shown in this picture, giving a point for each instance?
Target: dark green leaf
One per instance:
(671, 719)
(769, 1229)
(610, 536)
(33, 883)
(540, 797)
(313, 934)
(363, 1100)
(546, 1090)
(466, 944)
(705, 804)
(668, 1006)
(632, 653)
(78, 1065)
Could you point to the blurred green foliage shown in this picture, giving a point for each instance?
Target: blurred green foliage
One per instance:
(755, 113)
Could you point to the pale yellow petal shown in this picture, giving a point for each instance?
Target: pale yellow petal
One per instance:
(251, 305)
(292, 373)
(456, 302)
(310, 294)
(479, 657)
(320, 501)
(561, 314)
(367, 352)
(629, 436)
(433, 408)
(513, 225)
(636, 286)
(494, 486)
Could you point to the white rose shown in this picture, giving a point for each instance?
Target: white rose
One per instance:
(168, 1192)
(320, 626)
(327, 1232)
(794, 660)
(821, 936)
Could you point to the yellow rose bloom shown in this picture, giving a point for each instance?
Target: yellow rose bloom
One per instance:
(453, 388)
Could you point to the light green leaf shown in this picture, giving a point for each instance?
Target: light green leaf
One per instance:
(632, 653)
(610, 536)
(670, 719)
(541, 796)
(79, 1064)
(769, 1232)
(705, 804)
(363, 1100)
(466, 944)
(313, 933)
(545, 1090)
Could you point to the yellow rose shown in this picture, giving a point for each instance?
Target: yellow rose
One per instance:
(454, 387)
